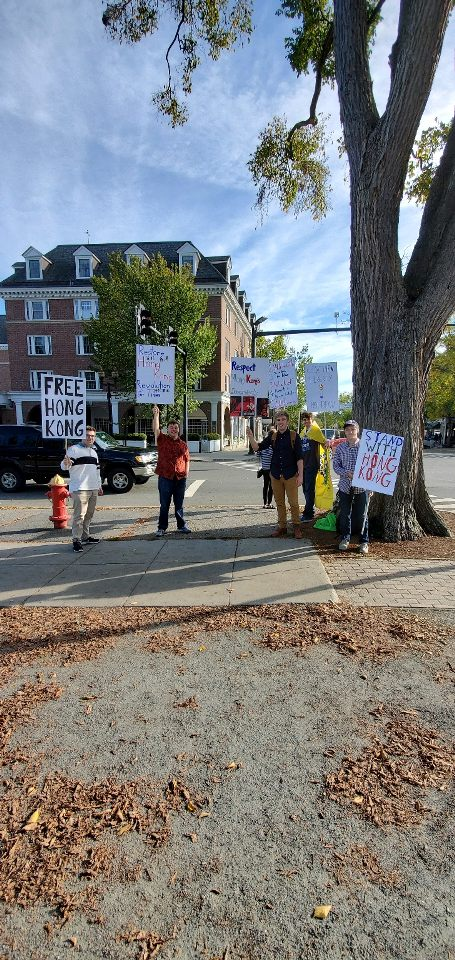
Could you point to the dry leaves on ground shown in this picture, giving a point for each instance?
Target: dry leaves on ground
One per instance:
(26, 635)
(149, 942)
(359, 863)
(426, 548)
(387, 782)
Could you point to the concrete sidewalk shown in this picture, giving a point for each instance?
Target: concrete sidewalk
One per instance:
(164, 573)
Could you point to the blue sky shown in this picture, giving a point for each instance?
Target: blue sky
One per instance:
(84, 150)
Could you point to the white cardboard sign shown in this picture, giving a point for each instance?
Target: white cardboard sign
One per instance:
(377, 463)
(250, 376)
(282, 383)
(63, 406)
(321, 387)
(155, 373)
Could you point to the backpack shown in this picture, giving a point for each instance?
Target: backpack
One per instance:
(293, 436)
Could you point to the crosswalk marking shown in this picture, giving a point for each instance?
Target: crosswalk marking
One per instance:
(193, 487)
(240, 464)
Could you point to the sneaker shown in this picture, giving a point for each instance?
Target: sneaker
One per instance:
(344, 544)
(298, 533)
(77, 546)
(279, 532)
(184, 529)
(363, 548)
(90, 540)
(304, 519)
(160, 533)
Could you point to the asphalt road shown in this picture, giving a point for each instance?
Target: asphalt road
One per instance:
(229, 479)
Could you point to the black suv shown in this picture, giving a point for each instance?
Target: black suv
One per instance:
(26, 455)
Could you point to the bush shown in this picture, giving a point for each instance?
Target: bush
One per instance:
(213, 436)
(193, 436)
(130, 436)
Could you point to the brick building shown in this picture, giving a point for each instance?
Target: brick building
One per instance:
(49, 296)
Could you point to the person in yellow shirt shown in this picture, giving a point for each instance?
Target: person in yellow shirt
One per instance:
(312, 441)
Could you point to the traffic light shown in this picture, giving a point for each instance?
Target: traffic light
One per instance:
(173, 338)
(145, 323)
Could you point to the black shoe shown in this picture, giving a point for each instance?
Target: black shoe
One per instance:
(77, 546)
(91, 540)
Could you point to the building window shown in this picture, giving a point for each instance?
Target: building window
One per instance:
(197, 426)
(188, 261)
(34, 269)
(84, 267)
(227, 383)
(85, 309)
(83, 345)
(236, 328)
(227, 350)
(35, 378)
(228, 317)
(198, 384)
(92, 379)
(37, 310)
(40, 346)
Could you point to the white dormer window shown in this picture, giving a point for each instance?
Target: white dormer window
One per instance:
(189, 257)
(92, 379)
(85, 263)
(35, 263)
(135, 251)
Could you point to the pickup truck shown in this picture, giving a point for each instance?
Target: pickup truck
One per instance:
(26, 455)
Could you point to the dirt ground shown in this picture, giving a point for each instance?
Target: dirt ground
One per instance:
(195, 783)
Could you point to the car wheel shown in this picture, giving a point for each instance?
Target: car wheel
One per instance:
(11, 480)
(141, 479)
(120, 480)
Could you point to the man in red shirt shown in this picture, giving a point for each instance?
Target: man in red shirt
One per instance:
(172, 470)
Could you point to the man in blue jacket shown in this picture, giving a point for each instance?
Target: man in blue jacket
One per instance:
(286, 470)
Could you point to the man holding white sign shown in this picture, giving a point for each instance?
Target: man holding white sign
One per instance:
(81, 460)
(353, 500)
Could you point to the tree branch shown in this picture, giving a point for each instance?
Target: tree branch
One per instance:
(175, 40)
(414, 58)
(359, 114)
(434, 253)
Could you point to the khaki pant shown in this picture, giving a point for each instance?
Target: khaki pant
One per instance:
(84, 503)
(291, 489)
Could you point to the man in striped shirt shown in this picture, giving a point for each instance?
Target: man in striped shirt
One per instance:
(353, 500)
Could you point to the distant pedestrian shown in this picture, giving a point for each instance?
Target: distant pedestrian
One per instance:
(353, 500)
(312, 440)
(286, 469)
(82, 461)
(266, 459)
(172, 470)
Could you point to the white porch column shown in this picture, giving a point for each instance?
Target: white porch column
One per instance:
(19, 414)
(115, 419)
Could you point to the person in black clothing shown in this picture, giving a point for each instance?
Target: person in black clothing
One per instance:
(286, 471)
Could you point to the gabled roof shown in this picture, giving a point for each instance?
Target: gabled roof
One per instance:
(61, 269)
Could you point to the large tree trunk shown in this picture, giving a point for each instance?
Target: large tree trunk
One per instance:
(396, 320)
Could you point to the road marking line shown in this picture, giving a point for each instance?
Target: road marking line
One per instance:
(191, 490)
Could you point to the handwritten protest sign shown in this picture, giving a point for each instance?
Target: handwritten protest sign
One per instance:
(155, 373)
(282, 383)
(377, 462)
(63, 406)
(250, 376)
(321, 386)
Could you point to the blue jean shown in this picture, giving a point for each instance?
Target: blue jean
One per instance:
(354, 512)
(168, 490)
(310, 473)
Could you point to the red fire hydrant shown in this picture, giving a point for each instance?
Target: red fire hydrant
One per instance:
(59, 495)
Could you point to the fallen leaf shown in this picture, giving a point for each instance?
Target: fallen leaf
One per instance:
(358, 799)
(191, 836)
(234, 765)
(125, 828)
(33, 820)
(322, 911)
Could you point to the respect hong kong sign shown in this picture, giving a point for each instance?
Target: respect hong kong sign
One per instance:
(250, 376)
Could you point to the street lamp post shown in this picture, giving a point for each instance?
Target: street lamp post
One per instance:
(109, 381)
(255, 324)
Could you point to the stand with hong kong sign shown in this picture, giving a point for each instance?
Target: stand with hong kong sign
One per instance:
(282, 383)
(321, 387)
(155, 373)
(377, 463)
(63, 406)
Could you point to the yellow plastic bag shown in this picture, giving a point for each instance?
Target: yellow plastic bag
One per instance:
(324, 497)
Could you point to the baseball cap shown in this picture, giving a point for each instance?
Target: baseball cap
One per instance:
(351, 423)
